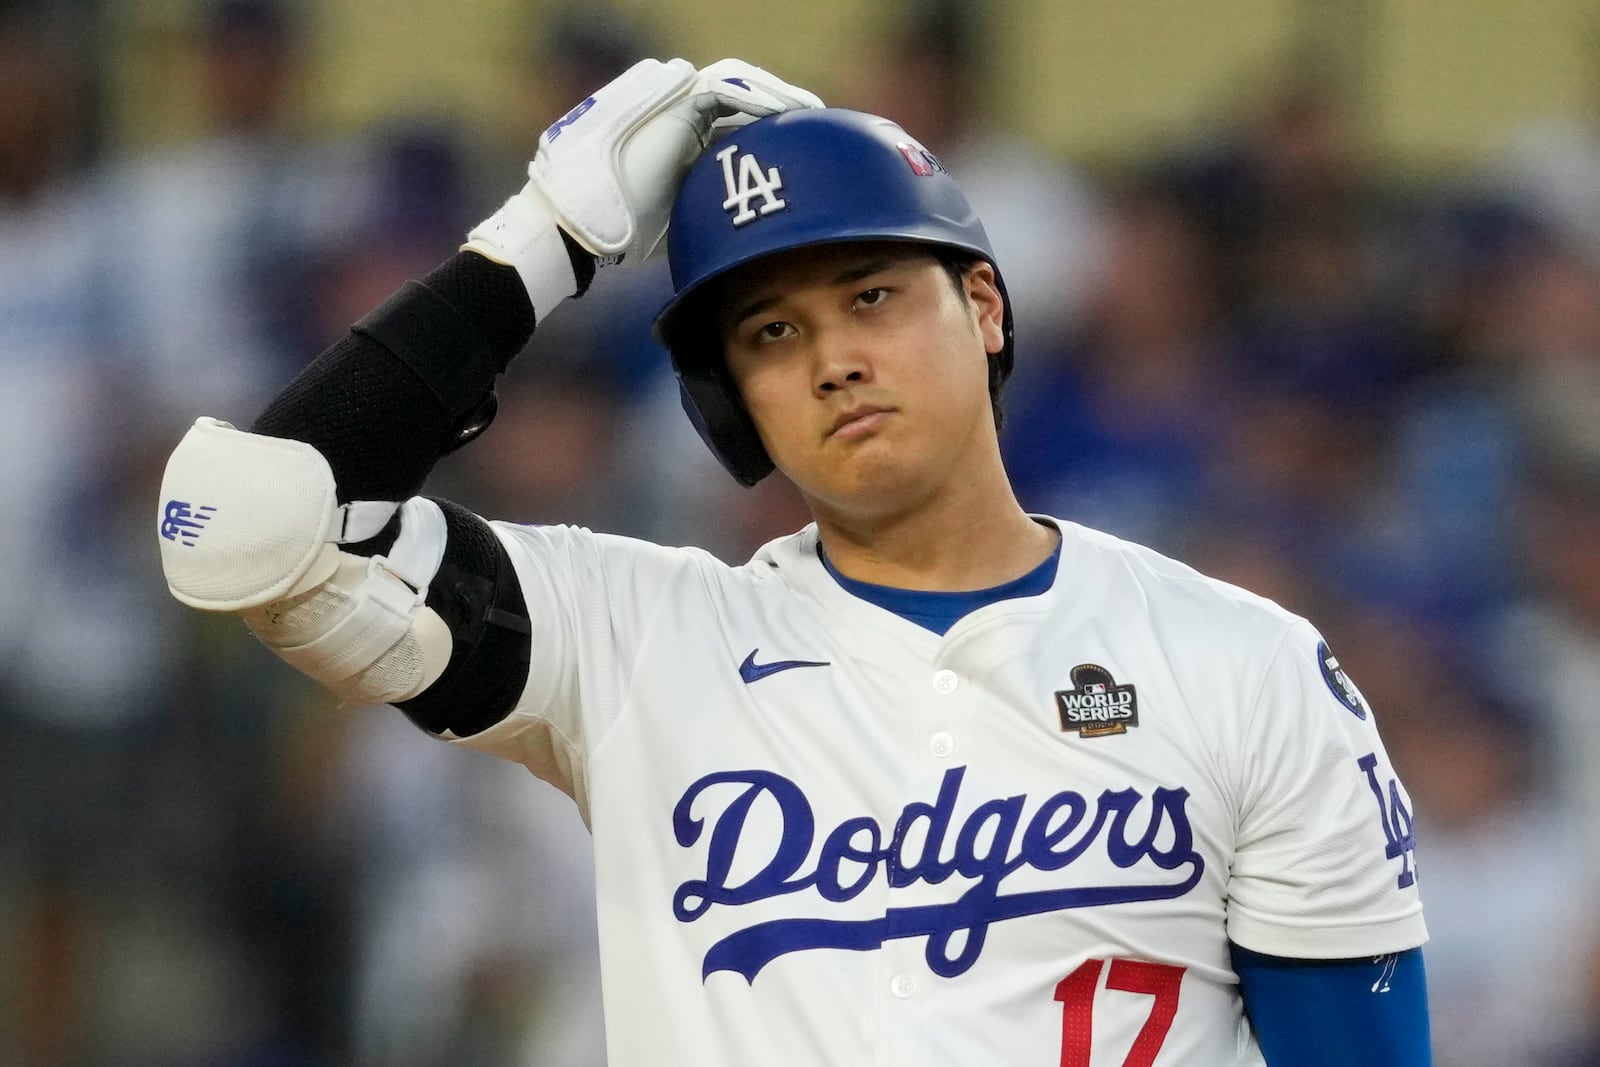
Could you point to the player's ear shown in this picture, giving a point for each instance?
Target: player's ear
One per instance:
(987, 302)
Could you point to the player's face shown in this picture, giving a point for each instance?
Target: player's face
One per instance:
(866, 372)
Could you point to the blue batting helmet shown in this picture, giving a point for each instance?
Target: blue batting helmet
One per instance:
(800, 178)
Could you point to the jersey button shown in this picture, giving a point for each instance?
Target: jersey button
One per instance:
(945, 681)
(941, 744)
(904, 986)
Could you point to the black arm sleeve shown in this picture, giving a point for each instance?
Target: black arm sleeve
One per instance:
(389, 399)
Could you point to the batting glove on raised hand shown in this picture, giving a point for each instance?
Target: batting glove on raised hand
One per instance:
(606, 172)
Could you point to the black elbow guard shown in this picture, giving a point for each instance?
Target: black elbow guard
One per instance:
(477, 595)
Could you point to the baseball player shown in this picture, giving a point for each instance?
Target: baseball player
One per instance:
(930, 781)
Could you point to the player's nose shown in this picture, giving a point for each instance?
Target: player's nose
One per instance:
(839, 358)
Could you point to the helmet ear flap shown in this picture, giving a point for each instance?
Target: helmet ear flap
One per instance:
(712, 403)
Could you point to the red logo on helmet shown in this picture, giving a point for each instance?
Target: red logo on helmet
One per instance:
(923, 162)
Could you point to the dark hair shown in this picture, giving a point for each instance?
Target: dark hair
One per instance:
(956, 264)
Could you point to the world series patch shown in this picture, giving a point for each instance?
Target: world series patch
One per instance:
(1096, 706)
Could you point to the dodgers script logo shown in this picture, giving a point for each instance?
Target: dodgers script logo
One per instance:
(745, 180)
(1131, 828)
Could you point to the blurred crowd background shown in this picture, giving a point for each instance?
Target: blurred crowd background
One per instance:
(1367, 389)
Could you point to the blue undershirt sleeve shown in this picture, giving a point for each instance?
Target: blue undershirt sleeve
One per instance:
(1333, 1013)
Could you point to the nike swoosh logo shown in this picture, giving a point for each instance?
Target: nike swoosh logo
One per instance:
(751, 671)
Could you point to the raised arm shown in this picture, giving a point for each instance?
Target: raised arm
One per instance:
(309, 526)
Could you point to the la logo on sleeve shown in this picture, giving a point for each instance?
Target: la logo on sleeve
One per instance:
(1339, 683)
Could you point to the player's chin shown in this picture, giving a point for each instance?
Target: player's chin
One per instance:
(866, 483)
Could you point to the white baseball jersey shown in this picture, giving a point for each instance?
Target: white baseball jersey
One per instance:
(824, 834)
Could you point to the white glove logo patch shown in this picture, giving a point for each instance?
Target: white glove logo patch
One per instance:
(745, 180)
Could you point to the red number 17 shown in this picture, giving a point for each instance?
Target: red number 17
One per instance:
(1076, 993)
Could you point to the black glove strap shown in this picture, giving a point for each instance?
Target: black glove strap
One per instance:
(583, 263)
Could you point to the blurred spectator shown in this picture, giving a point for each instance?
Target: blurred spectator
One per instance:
(1118, 428)
(1432, 540)
(77, 673)
(1555, 350)
(212, 238)
(477, 935)
(1435, 540)
(1550, 641)
(578, 47)
(1314, 270)
(682, 496)
(1544, 330)
(154, 910)
(411, 184)
(1043, 217)
(556, 439)
(213, 242)
(1507, 881)
(1319, 294)
(1548, 165)
(1585, 1049)
(1283, 191)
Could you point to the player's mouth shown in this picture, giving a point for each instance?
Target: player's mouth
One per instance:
(859, 421)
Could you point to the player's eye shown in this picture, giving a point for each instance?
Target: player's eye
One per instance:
(872, 297)
(771, 331)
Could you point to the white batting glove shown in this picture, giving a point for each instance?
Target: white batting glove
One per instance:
(608, 170)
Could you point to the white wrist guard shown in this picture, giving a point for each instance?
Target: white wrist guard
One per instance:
(251, 525)
(523, 234)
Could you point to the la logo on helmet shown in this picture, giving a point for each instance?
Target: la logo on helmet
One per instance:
(745, 180)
